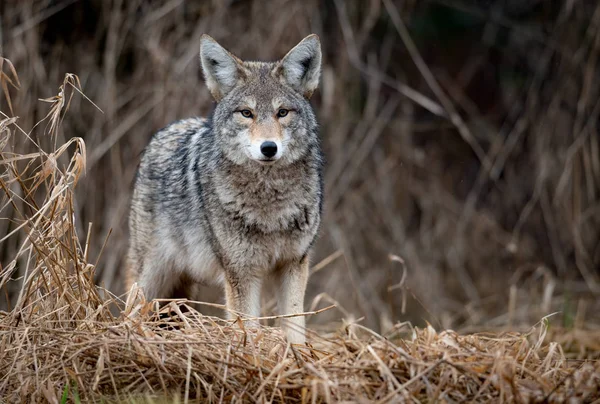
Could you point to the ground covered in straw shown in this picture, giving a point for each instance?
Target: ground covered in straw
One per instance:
(80, 352)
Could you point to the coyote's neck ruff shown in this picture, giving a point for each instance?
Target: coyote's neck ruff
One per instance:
(236, 197)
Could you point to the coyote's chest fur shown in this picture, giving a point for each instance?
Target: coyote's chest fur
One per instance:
(271, 214)
(267, 200)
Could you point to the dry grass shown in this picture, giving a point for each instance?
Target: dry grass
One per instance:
(63, 342)
(204, 358)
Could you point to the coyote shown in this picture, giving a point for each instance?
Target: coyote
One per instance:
(236, 197)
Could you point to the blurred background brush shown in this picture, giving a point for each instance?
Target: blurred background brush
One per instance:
(461, 138)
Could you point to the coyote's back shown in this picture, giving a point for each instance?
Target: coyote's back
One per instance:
(236, 197)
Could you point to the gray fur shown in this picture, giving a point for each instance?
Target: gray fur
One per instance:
(205, 209)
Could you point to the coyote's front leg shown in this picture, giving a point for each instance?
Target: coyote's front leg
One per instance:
(292, 286)
(242, 295)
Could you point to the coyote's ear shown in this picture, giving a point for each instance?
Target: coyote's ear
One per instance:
(301, 67)
(222, 70)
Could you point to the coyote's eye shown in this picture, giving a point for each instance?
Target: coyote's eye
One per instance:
(282, 113)
(246, 113)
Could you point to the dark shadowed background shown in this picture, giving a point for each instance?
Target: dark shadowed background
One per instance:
(463, 175)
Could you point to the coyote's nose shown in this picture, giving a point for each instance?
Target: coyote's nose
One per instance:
(268, 149)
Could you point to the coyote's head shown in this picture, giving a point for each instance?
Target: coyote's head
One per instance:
(263, 115)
